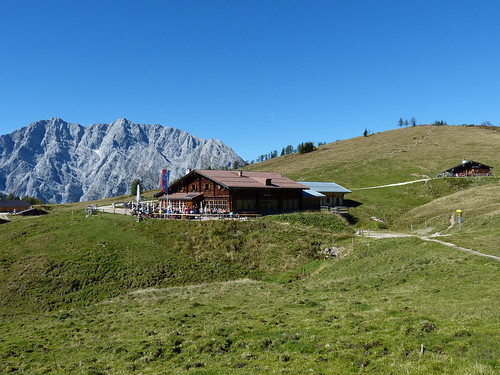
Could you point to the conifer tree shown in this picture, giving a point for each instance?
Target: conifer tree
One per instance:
(133, 186)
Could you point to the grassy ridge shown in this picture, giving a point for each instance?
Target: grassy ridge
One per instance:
(404, 155)
(392, 156)
(401, 206)
(476, 200)
(480, 205)
(368, 312)
(66, 259)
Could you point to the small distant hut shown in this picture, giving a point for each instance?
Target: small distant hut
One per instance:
(468, 169)
(13, 205)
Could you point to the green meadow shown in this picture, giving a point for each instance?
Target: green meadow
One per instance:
(386, 306)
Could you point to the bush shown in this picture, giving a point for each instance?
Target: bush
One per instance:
(306, 147)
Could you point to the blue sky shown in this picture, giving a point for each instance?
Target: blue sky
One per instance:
(258, 75)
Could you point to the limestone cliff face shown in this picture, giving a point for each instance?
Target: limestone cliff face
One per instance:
(61, 162)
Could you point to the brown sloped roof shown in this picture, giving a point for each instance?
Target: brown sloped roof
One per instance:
(248, 179)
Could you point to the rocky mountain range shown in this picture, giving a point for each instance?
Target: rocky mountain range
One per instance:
(61, 162)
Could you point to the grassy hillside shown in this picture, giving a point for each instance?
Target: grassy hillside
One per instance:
(368, 312)
(399, 206)
(65, 259)
(480, 205)
(477, 202)
(392, 156)
(404, 155)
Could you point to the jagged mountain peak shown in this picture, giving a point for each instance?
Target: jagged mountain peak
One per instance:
(122, 121)
(57, 120)
(62, 162)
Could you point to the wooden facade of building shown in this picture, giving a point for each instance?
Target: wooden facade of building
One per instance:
(14, 206)
(234, 191)
(469, 169)
(332, 194)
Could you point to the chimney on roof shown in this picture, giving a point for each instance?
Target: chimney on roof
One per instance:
(464, 161)
(268, 182)
(188, 170)
(240, 173)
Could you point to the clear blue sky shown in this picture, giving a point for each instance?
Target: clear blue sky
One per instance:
(258, 75)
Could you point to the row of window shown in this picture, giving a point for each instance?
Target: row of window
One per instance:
(216, 204)
(208, 187)
(241, 204)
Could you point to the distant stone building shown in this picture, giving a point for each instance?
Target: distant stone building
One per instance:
(468, 169)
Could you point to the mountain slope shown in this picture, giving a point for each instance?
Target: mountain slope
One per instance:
(62, 162)
(392, 156)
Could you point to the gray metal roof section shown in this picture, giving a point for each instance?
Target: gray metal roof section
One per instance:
(325, 187)
(311, 193)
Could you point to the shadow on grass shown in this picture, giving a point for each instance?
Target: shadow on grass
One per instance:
(352, 203)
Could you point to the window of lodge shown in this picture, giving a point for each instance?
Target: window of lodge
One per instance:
(176, 205)
(216, 204)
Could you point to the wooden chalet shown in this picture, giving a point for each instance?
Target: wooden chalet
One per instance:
(242, 192)
(13, 205)
(468, 169)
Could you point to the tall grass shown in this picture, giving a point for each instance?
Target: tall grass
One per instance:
(370, 312)
(66, 259)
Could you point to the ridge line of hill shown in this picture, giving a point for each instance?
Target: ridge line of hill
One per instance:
(390, 156)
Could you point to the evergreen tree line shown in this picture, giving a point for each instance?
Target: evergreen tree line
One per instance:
(439, 123)
(402, 122)
(302, 148)
(413, 122)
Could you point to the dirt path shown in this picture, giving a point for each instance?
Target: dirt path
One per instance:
(113, 210)
(397, 184)
(379, 235)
